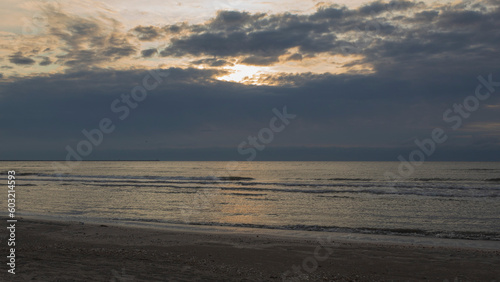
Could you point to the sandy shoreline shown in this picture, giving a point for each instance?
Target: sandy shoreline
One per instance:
(71, 251)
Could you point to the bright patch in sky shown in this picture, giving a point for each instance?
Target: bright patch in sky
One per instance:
(244, 74)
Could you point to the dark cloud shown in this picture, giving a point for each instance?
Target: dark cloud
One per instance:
(383, 32)
(19, 59)
(232, 20)
(287, 79)
(425, 16)
(116, 52)
(294, 57)
(147, 33)
(331, 13)
(423, 60)
(452, 18)
(486, 142)
(378, 7)
(213, 62)
(237, 33)
(176, 28)
(86, 42)
(45, 62)
(259, 60)
(192, 109)
(149, 52)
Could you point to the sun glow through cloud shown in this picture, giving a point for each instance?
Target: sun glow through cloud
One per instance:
(367, 75)
(244, 74)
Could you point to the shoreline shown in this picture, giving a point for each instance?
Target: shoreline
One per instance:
(351, 237)
(50, 250)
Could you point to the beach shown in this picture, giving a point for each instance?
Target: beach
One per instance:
(81, 251)
(265, 221)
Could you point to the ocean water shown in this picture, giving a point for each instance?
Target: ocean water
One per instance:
(438, 199)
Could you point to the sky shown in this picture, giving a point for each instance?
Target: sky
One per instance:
(250, 80)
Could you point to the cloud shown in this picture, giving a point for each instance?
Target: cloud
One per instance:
(378, 7)
(260, 60)
(45, 62)
(460, 18)
(424, 59)
(147, 33)
(147, 53)
(294, 57)
(19, 59)
(192, 109)
(244, 34)
(176, 28)
(82, 42)
(384, 33)
(424, 16)
(213, 62)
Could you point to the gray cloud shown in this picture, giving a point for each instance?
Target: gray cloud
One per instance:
(193, 110)
(149, 52)
(424, 60)
(424, 16)
(45, 62)
(213, 62)
(294, 57)
(147, 33)
(87, 41)
(176, 28)
(385, 33)
(378, 7)
(259, 60)
(19, 59)
(244, 34)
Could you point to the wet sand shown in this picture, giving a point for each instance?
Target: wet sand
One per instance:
(72, 251)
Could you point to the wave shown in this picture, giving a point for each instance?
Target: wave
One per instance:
(20, 173)
(349, 179)
(380, 184)
(437, 179)
(451, 194)
(465, 235)
(333, 196)
(427, 189)
(382, 189)
(235, 178)
(145, 177)
(152, 177)
(246, 194)
(493, 179)
(434, 183)
(429, 193)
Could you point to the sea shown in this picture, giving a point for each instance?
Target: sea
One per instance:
(457, 200)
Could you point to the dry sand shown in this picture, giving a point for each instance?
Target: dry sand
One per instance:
(71, 251)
